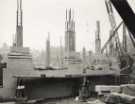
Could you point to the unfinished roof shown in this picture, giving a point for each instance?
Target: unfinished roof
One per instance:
(72, 72)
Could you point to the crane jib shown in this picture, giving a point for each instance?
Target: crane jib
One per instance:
(128, 15)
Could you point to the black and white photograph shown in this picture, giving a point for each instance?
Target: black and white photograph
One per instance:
(67, 51)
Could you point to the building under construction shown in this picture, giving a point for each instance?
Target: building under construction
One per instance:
(112, 64)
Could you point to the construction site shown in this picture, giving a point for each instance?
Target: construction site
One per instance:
(106, 76)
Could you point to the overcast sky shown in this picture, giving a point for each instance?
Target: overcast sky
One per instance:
(43, 16)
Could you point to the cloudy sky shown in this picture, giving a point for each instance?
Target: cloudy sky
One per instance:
(43, 16)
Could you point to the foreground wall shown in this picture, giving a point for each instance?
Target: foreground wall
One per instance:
(62, 87)
(51, 88)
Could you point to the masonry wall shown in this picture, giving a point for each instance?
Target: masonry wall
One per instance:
(9, 83)
(15, 67)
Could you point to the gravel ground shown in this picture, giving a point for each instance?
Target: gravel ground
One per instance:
(66, 101)
(8, 103)
(72, 101)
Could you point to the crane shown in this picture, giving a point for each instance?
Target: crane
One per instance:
(115, 40)
(128, 17)
(126, 61)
